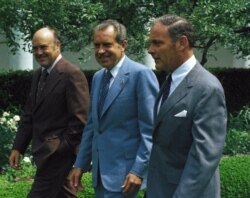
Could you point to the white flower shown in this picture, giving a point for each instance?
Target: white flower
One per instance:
(3, 120)
(6, 114)
(26, 159)
(16, 118)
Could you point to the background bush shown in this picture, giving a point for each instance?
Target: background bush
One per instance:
(238, 135)
(8, 128)
(237, 142)
(235, 174)
(15, 86)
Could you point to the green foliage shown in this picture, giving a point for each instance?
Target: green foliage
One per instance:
(14, 190)
(235, 174)
(25, 173)
(240, 120)
(237, 142)
(235, 83)
(17, 183)
(74, 18)
(8, 128)
(15, 86)
(224, 23)
(220, 22)
(238, 136)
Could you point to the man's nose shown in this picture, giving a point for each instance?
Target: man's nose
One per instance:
(100, 50)
(150, 49)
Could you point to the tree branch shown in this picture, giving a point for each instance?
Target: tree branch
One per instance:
(210, 42)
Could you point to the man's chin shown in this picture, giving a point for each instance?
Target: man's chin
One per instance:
(158, 67)
(45, 65)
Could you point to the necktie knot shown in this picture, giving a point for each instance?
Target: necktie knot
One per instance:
(44, 74)
(107, 77)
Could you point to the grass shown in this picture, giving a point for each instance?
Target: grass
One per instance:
(21, 188)
(234, 172)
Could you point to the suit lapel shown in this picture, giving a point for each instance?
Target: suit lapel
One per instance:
(96, 86)
(34, 86)
(52, 80)
(179, 93)
(157, 101)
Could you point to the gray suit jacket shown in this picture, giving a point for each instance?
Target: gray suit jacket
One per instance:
(188, 139)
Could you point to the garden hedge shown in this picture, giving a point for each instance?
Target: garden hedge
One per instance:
(15, 86)
(235, 177)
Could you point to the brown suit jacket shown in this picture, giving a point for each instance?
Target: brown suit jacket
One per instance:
(55, 122)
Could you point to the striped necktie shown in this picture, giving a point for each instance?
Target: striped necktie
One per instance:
(166, 89)
(104, 91)
(41, 84)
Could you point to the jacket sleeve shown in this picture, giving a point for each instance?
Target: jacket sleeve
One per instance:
(147, 90)
(208, 131)
(24, 132)
(77, 97)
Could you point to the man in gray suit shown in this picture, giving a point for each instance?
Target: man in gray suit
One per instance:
(189, 117)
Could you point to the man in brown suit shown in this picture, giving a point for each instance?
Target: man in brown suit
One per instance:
(54, 117)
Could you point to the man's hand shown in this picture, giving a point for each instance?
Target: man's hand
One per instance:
(131, 184)
(75, 179)
(14, 159)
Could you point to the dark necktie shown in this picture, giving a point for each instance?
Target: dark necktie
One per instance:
(104, 91)
(41, 83)
(166, 89)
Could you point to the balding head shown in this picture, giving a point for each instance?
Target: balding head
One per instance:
(46, 46)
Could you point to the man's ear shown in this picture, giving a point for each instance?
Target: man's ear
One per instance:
(183, 43)
(124, 44)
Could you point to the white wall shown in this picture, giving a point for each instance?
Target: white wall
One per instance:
(224, 58)
(24, 60)
(21, 60)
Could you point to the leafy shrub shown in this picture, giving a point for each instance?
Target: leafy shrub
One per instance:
(235, 174)
(240, 120)
(237, 142)
(238, 136)
(25, 173)
(235, 83)
(15, 86)
(8, 128)
(14, 190)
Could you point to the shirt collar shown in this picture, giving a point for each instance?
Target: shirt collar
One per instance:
(53, 65)
(184, 69)
(114, 71)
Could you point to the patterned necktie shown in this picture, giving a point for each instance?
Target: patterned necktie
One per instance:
(104, 91)
(166, 89)
(41, 83)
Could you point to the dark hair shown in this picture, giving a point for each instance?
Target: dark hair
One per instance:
(119, 29)
(177, 27)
